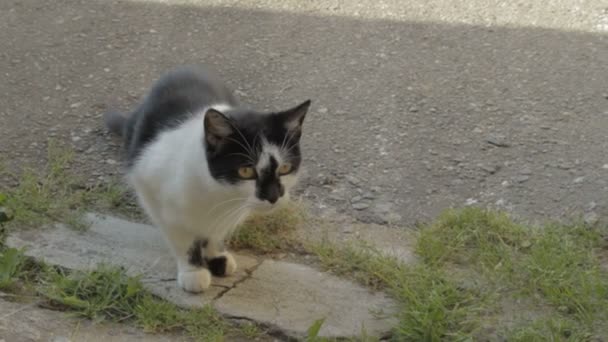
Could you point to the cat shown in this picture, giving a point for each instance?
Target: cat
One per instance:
(200, 162)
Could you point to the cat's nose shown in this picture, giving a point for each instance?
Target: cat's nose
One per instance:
(273, 194)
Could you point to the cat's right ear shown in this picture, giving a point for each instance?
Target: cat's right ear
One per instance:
(217, 127)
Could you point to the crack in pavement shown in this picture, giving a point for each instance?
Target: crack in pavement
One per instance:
(249, 274)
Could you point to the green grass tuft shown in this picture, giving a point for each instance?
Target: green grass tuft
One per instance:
(109, 293)
(12, 262)
(471, 261)
(103, 293)
(471, 236)
(55, 193)
(431, 307)
(268, 233)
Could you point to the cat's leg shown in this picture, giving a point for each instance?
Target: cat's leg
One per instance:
(219, 261)
(192, 268)
(188, 249)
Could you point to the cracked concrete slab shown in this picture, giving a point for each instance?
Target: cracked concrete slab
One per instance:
(287, 296)
(292, 296)
(139, 248)
(21, 322)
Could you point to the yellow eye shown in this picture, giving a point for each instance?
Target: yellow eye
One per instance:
(246, 172)
(284, 169)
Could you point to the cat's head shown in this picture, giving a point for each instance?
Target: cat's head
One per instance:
(258, 154)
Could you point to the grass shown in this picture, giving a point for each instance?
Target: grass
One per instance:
(11, 265)
(107, 293)
(555, 267)
(431, 305)
(55, 193)
(269, 233)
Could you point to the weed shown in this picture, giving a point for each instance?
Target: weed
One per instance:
(431, 307)
(109, 293)
(267, 233)
(55, 193)
(470, 260)
(102, 293)
(11, 263)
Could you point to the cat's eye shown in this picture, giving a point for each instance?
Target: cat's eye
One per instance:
(246, 172)
(284, 169)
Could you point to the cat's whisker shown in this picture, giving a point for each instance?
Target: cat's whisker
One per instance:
(248, 150)
(227, 215)
(245, 140)
(225, 202)
(249, 158)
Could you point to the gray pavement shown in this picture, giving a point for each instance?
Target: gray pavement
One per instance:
(410, 98)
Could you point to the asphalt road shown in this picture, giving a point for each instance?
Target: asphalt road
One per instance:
(417, 105)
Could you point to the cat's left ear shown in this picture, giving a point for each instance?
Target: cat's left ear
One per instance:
(217, 127)
(294, 117)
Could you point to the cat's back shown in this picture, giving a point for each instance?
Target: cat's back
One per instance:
(172, 101)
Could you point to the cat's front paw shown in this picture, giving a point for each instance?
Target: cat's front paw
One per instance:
(194, 281)
(222, 265)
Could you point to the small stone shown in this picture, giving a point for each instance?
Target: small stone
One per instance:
(336, 198)
(497, 140)
(413, 109)
(322, 110)
(76, 105)
(456, 182)
(565, 166)
(152, 31)
(356, 199)
(76, 138)
(491, 169)
(605, 166)
(360, 206)
(525, 171)
(106, 69)
(111, 161)
(522, 178)
(369, 195)
(241, 93)
(352, 180)
(5, 216)
(470, 201)
(591, 218)
(578, 180)
(383, 208)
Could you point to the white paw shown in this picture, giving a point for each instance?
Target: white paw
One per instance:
(194, 281)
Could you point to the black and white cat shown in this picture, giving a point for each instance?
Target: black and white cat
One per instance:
(200, 162)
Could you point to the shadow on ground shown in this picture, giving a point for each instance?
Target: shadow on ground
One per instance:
(403, 111)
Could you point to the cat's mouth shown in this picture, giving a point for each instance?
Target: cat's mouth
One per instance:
(267, 207)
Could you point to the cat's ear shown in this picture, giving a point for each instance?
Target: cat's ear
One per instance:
(217, 127)
(294, 117)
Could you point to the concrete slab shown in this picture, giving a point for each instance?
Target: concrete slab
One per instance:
(292, 296)
(139, 248)
(287, 296)
(26, 322)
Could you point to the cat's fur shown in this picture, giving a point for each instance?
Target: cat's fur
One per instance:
(185, 144)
